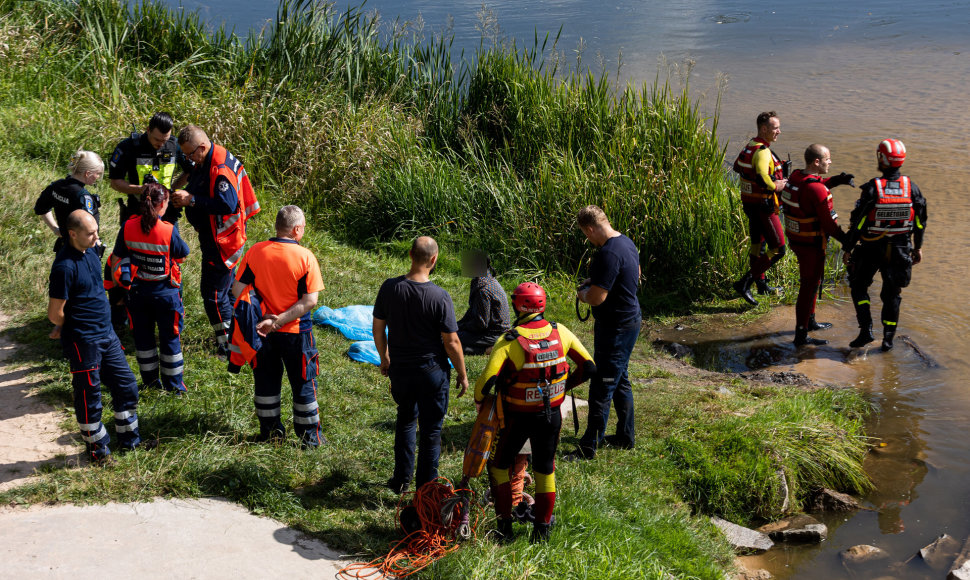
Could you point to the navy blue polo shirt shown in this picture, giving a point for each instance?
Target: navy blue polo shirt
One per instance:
(616, 269)
(76, 277)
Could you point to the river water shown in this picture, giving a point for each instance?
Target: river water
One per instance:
(846, 74)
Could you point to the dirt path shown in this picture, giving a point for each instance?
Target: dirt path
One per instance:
(29, 432)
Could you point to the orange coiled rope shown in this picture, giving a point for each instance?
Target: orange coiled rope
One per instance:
(438, 507)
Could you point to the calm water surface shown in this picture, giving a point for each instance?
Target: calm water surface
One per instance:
(846, 74)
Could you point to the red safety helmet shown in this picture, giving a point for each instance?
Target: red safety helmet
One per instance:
(891, 153)
(529, 297)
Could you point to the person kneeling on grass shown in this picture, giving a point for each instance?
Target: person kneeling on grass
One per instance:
(529, 369)
(487, 317)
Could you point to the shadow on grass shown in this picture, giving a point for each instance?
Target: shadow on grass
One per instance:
(343, 490)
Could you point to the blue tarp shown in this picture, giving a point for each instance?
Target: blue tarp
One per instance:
(364, 351)
(354, 322)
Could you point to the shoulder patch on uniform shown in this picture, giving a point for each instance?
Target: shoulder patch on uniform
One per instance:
(89, 204)
(223, 186)
(115, 157)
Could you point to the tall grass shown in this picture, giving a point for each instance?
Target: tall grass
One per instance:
(383, 133)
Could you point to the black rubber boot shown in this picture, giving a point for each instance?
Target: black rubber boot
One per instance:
(813, 325)
(802, 338)
(540, 533)
(503, 531)
(864, 338)
(743, 288)
(764, 288)
(887, 337)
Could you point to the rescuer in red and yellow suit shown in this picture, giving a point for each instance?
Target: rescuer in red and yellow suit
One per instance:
(810, 219)
(529, 368)
(149, 251)
(218, 200)
(762, 178)
(888, 222)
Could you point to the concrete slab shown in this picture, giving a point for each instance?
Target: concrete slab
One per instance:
(205, 538)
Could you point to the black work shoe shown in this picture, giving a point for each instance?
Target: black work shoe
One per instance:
(617, 442)
(274, 436)
(765, 289)
(813, 325)
(743, 289)
(887, 339)
(503, 531)
(397, 487)
(864, 338)
(222, 352)
(540, 533)
(579, 454)
(156, 384)
(102, 460)
(802, 338)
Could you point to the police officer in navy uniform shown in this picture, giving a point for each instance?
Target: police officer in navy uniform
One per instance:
(63, 196)
(888, 223)
(150, 157)
(79, 310)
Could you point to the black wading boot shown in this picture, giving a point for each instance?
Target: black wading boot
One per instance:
(764, 288)
(864, 338)
(540, 533)
(503, 531)
(887, 337)
(802, 338)
(743, 288)
(813, 325)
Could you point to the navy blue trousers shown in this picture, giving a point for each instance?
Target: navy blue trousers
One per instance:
(612, 348)
(215, 286)
(296, 353)
(91, 362)
(151, 306)
(421, 394)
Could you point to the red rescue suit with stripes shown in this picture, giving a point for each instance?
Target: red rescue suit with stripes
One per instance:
(810, 219)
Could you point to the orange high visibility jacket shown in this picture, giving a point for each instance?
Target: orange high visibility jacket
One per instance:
(229, 231)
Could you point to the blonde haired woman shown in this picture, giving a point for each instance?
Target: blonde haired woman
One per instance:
(63, 196)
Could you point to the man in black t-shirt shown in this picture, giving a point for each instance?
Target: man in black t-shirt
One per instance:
(419, 318)
(152, 156)
(611, 291)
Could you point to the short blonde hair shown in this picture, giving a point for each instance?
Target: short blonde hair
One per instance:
(591, 215)
(84, 161)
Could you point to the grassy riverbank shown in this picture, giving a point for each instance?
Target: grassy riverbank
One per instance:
(373, 139)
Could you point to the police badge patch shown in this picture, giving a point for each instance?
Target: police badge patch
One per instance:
(89, 204)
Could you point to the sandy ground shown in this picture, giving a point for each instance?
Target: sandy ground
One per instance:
(29, 432)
